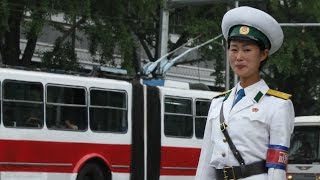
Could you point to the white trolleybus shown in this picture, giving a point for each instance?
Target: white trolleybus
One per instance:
(304, 155)
(68, 127)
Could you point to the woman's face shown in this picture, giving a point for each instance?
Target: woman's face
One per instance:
(245, 58)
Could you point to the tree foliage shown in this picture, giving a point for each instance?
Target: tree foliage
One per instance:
(111, 27)
(13, 16)
(294, 69)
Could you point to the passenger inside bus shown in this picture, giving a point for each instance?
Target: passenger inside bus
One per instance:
(33, 122)
(8, 119)
(33, 119)
(70, 125)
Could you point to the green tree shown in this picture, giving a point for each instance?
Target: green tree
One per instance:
(116, 28)
(112, 27)
(295, 68)
(202, 21)
(12, 17)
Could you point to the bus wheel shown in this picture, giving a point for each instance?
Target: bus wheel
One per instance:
(92, 171)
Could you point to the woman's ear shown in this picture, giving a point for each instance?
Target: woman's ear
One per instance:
(264, 54)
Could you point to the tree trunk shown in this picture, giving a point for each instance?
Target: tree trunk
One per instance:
(181, 41)
(32, 36)
(29, 50)
(145, 47)
(11, 49)
(59, 41)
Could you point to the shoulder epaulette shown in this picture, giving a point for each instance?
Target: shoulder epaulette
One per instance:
(279, 94)
(226, 94)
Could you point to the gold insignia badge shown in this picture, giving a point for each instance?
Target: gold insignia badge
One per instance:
(244, 30)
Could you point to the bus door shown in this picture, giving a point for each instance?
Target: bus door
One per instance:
(182, 127)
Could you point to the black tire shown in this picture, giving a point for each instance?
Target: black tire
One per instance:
(92, 171)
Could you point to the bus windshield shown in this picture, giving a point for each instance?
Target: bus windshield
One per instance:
(305, 145)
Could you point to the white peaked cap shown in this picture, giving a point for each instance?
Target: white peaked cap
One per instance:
(256, 18)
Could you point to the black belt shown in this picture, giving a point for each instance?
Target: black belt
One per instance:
(234, 172)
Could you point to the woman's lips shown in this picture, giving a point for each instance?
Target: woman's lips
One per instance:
(240, 66)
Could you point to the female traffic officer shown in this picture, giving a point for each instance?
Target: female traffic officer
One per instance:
(248, 129)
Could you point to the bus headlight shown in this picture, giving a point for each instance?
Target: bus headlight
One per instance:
(289, 176)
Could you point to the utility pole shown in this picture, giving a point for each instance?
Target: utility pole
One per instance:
(227, 69)
(164, 29)
(235, 77)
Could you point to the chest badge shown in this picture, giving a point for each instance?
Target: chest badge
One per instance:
(255, 109)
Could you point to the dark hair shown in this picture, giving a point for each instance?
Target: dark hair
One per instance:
(258, 43)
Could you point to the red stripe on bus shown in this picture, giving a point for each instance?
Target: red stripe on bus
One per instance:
(39, 156)
(179, 161)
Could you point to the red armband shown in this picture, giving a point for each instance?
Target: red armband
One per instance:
(277, 157)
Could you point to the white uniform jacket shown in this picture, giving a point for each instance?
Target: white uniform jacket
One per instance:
(255, 122)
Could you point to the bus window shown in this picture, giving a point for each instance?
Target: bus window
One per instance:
(202, 108)
(178, 119)
(108, 111)
(304, 148)
(66, 108)
(22, 104)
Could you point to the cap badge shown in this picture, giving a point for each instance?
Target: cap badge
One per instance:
(244, 30)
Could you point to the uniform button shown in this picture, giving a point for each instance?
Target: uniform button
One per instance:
(224, 140)
(223, 154)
